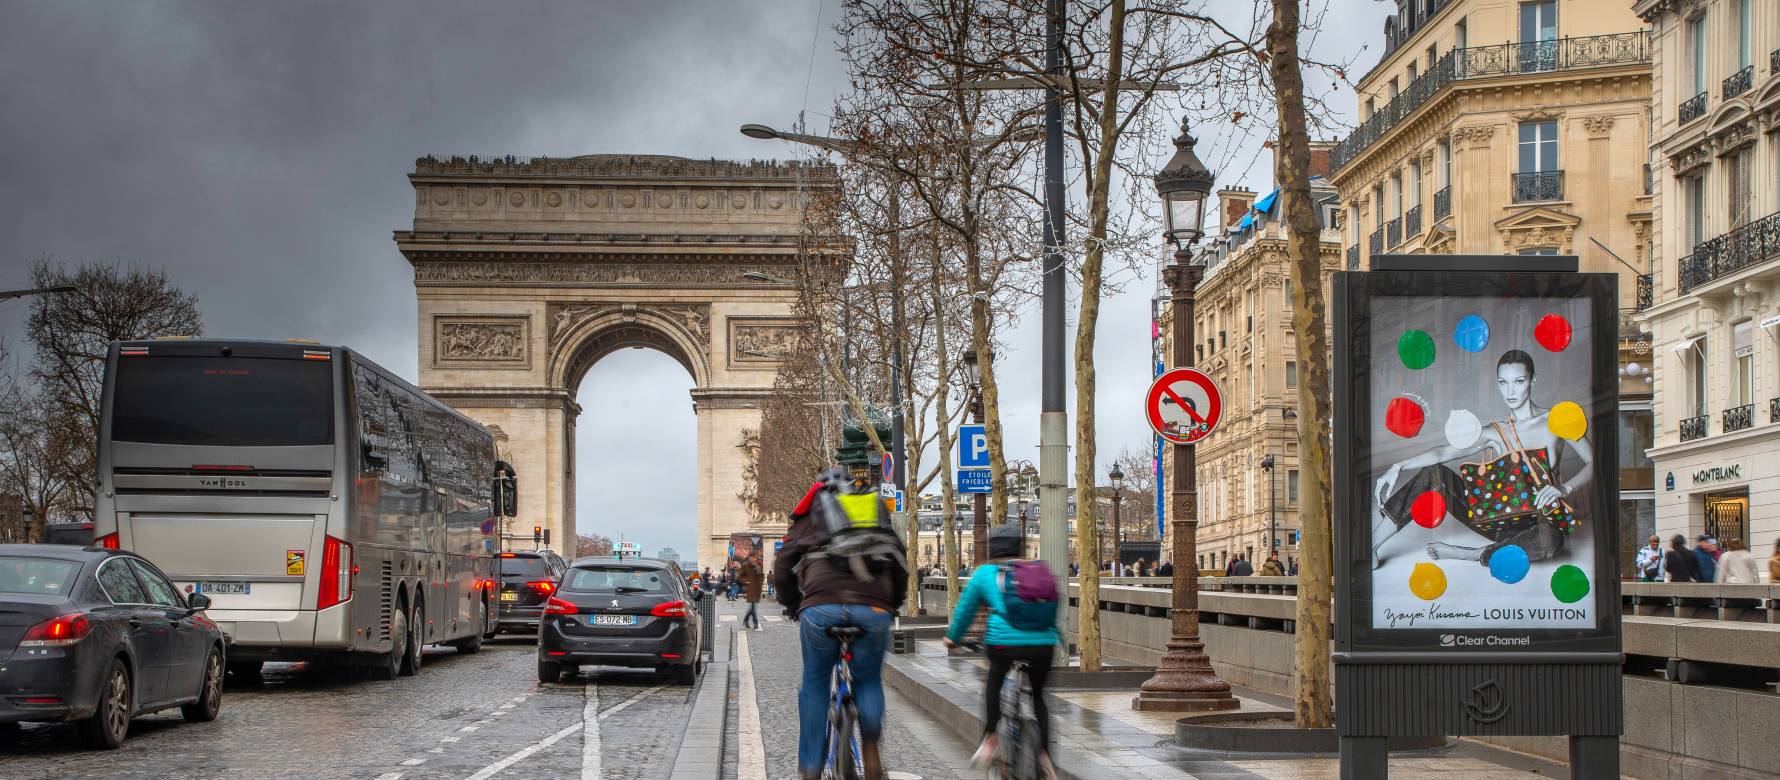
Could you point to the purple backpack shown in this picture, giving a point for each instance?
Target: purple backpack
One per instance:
(1029, 595)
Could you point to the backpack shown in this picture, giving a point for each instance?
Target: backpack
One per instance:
(856, 528)
(1029, 595)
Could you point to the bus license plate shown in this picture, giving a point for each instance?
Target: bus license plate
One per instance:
(509, 596)
(242, 588)
(614, 620)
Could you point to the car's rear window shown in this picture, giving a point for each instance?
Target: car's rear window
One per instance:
(39, 576)
(529, 567)
(608, 579)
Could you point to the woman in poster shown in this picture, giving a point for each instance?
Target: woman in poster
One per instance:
(1514, 496)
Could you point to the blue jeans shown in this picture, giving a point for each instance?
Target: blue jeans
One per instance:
(820, 654)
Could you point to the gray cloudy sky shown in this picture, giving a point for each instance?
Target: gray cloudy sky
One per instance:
(257, 151)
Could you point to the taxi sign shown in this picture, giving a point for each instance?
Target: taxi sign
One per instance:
(1184, 405)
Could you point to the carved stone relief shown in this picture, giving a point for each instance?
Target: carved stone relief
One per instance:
(586, 273)
(481, 342)
(1473, 135)
(1598, 126)
(762, 342)
(695, 320)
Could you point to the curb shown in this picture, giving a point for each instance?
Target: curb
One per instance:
(701, 747)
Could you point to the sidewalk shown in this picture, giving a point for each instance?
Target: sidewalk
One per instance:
(1096, 734)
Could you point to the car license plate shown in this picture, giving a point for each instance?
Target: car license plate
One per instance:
(614, 620)
(243, 588)
(509, 597)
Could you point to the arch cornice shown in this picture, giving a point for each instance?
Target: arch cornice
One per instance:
(582, 333)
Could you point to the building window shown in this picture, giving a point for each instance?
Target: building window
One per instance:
(1743, 363)
(1291, 486)
(1538, 147)
(1413, 68)
(1370, 109)
(1415, 184)
(1461, 37)
(1696, 36)
(1291, 375)
(1538, 36)
(1397, 191)
(1699, 367)
(1696, 211)
(1743, 33)
(1445, 164)
(1636, 437)
(1739, 188)
(1430, 67)
(1395, 90)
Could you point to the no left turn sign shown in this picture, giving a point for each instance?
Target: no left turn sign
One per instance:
(1184, 405)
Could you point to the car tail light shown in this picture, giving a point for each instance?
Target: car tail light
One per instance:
(545, 587)
(43, 700)
(669, 609)
(671, 656)
(108, 541)
(58, 632)
(336, 573)
(556, 606)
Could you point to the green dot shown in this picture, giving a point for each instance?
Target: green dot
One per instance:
(1569, 584)
(1416, 348)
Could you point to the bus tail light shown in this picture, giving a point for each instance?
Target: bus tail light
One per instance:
(59, 631)
(336, 573)
(669, 609)
(556, 606)
(108, 541)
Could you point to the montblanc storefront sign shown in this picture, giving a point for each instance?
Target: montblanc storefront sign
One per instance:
(1718, 474)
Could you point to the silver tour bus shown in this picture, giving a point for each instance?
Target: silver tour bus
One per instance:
(331, 511)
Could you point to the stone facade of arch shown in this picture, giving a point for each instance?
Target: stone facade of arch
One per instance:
(528, 272)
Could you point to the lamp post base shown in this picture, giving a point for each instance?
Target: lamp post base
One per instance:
(1185, 682)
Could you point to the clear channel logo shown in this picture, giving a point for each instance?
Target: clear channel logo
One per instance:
(1487, 640)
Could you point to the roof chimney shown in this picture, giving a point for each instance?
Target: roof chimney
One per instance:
(1233, 203)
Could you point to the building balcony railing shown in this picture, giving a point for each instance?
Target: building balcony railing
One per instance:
(1412, 222)
(1504, 59)
(1692, 108)
(1646, 291)
(1443, 202)
(1749, 245)
(1629, 330)
(1393, 232)
(1693, 428)
(1737, 418)
(1353, 258)
(1774, 410)
(1537, 186)
(1737, 83)
(1375, 243)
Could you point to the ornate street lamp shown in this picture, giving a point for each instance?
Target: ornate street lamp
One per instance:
(1118, 485)
(973, 372)
(1184, 680)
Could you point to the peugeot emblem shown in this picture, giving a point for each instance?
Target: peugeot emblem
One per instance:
(614, 603)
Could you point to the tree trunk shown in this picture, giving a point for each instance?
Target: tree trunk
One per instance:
(949, 502)
(1313, 696)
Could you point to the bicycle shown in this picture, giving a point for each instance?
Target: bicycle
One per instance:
(844, 761)
(1017, 745)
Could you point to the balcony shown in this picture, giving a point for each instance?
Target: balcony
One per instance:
(1692, 108)
(1737, 418)
(1375, 243)
(1393, 232)
(1538, 186)
(1353, 258)
(1443, 202)
(1412, 222)
(1720, 256)
(1693, 428)
(1737, 83)
(1646, 291)
(1505, 59)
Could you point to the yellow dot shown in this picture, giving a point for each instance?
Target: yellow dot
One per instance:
(1427, 581)
(1567, 421)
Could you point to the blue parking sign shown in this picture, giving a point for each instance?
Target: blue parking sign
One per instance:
(974, 481)
(973, 447)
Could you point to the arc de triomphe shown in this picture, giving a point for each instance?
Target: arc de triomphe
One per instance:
(530, 271)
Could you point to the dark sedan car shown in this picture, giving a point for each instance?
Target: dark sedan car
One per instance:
(97, 637)
(527, 580)
(621, 612)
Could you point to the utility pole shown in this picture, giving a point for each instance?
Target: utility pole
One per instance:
(1053, 421)
(1272, 506)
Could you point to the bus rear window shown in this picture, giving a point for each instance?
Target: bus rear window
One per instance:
(225, 402)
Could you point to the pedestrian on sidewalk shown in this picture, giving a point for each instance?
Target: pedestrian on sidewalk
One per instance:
(1242, 568)
(1650, 561)
(1272, 568)
(1737, 567)
(751, 581)
(1705, 559)
(1774, 565)
(1679, 561)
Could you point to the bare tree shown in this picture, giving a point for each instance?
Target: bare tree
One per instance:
(592, 544)
(40, 461)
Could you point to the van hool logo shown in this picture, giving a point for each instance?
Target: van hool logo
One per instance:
(221, 482)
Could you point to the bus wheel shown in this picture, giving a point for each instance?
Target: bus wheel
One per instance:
(391, 665)
(470, 646)
(412, 658)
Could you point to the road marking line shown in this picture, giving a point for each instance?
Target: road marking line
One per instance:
(492, 769)
(498, 713)
(469, 728)
(627, 702)
(414, 762)
(390, 776)
(451, 739)
(751, 750)
(774, 619)
(435, 750)
(726, 618)
(590, 734)
(508, 706)
(524, 753)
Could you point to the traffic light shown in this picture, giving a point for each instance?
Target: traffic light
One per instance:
(537, 534)
(546, 537)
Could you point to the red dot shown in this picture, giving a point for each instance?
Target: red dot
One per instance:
(1552, 332)
(1429, 509)
(1403, 417)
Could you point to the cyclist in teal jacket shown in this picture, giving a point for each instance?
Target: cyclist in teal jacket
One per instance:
(1004, 644)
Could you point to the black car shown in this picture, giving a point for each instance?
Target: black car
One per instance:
(634, 612)
(527, 580)
(99, 636)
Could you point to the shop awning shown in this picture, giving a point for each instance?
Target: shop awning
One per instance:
(1683, 344)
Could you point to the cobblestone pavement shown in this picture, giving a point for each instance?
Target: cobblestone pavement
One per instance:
(913, 746)
(464, 716)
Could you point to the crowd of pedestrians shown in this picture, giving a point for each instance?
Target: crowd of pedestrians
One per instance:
(1706, 561)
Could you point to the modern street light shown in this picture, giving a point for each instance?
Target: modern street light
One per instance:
(1024, 479)
(10, 294)
(1184, 680)
(1272, 505)
(973, 371)
(1117, 477)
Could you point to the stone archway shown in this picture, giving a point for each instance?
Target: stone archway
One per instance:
(527, 272)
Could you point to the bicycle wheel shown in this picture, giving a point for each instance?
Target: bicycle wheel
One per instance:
(844, 759)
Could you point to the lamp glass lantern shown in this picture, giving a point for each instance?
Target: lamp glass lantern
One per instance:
(1118, 478)
(1184, 185)
(973, 370)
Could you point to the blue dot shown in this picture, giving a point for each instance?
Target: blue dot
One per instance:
(1509, 564)
(1472, 333)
